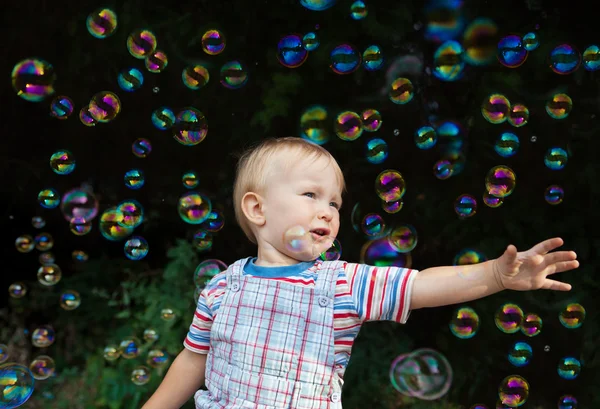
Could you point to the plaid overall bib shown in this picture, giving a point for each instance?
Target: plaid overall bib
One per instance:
(271, 344)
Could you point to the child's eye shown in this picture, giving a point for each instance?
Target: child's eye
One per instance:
(334, 204)
(309, 193)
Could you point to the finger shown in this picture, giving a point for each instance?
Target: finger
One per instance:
(563, 266)
(555, 285)
(547, 245)
(510, 253)
(559, 256)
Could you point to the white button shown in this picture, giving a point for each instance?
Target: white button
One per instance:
(323, 301)
(335, 397)
(235, 286)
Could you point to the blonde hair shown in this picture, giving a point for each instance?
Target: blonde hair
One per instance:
(255, 164)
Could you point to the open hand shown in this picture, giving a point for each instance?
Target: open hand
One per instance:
(528, 270)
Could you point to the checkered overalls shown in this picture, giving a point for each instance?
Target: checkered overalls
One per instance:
(271, 344)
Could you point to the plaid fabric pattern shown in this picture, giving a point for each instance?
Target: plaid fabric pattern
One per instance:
(272, 345)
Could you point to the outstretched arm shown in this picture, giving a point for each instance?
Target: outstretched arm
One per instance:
(521, 271)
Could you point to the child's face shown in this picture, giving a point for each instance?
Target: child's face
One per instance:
(308, 195)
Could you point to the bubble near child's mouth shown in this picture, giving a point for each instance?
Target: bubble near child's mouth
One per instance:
(302, 242)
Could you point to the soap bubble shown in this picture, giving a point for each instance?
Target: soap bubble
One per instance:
(448, 61)
(156, 61)
(195, 76)
(214, 222)
(348, 126)
(24, 243)
(42, 367)
(163, 118)
(376, 151)
(495, 108)
(333, 253)
(479, 41)
(140, 43)
(554, 194)
(591, 58)
(345, 59)
(191, 127)
(142, 147)
(233, 75)
(105, 106)
(111, 353)
(310, 41)
(425, 137)
(513, 391)
(132, 212)
(358, 10)
(134, 179)
(17, 383)
(102, 23)
(17, 290)
(401, 91)
(511, 51)
(43, 336)
(559, 106)
(140, 375)
(136, 248)
(390, 185)
(111, 225)
(507, 144)
(194, 207)
(157, 358)
(425, 374)
(33, 79)
(49, 274)
(555, 158)
(150, 335)
(564, 59)
(79, 226)
(129, 347)
(372, 58)
(531, 41)
(464, 323)
(569, 368)
(38, 222)
(70, 300)
(373, 225)
(290, 52)
(500, 181)
(79, 203)
(86, 117)
(520, 354)
(491, 200)
(518, 115)
(314, 124)
(213, 42)
(202, 240)
(465, 206)
(508, 318)
(567, 402)
(61, 107)
(62, 162)
(572, 316)
(403, 238)
(206, 270)
(167, 314)
(531, 325)
(442, 169)
(317, 5)
(371, 120)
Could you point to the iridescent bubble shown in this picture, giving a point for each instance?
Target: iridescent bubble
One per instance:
(17, 385)
(567, 402)
(479, 41)
(372, 58)
(468, 256)
(444, 20)
(79, 255)
(111, 353)
(105, 106)
(511, 51)
(310, 41)
(392, 207)
(425, 137)
(317, 5)
(572, 316)
(381, 253)
(24, 243)
(464, 323)
(130, 79)
(591, 58)
(500, 181)
(554, 194)
(167, 314)
(194, 207)
(17, 290)
(513, 391)
(140, 43)
(390, 185)
(403, 238)
(465, 206)
(140, 375)
(134, 179)
(451, 139)
(44, 241)
(43, 336)
(492, 201)
(564, 59)
(348, 126)
(191, 127)
(190, 179)
(442, 169)
(102, 23)
(86, 117)
(70, 300)
(333, 253)
(202, 240)
(133, 213)
(49, 274)
(213, 42)
(508, 318)
(314, 124)
(531, 41)
(559, 106)
(47, 258)
(518, 115)
(136, 248)
(33, 79)
(157, 358)
(507, 144)
(448, 61)
(495, 108)
(531, 325)
(163, 118)
(42, 367)
(358, 10)
(79, 226)
(129, 348)
(206, 270)
(156, 61)
(555, 158)
(425, 374)
(62, 162)
(373, 225)
(233, 75)
(111, 225)
(401, 91)
(298, 239)
(141, 147)
(38, 222)
(79, 203)
(345, 59)
(520, 354)
(376, 151)
(195, 76)
(290, 52)
(151, 335)
(4, 354)
(371, 120)
(214, 222)
(569, 368)
(61, 107)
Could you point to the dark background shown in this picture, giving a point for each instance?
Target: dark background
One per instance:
(86, 65)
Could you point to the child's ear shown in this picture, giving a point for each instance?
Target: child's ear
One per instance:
(252, 206)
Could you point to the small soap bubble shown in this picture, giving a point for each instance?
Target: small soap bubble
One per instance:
(24, 243)
(310, 41)
(508, 318)
(129, 347)
(17, 290)
(511, 51)
(194, 207)
(190, 179)
(531, 325)
(372, 58)
(195, 76)
(140, 375)
(70, 300)
(396, 132)
(559, 106)
(425, 137)
(591, 58)
(465, 206)
(111, 225)
(43, 336)
(533, 138)
(49, 274)
(507, 144)
(290, 52)
(62, 162)
(42, 367)
(555, 158)
(156, 61)
(130, 79)
(333, 253)
(191, 127)
(572, 316)
(567, 402)
(132, 212)
(448, 61)
(401, 91)
(136, 248)
(141, 147)
(554, 194)
(79, 202)
(403, 238)
(80, 226)
(46, 258)
(298, 239)
(86, 117)
(102, 23)
(500, 181)
(206, 270)
(466, 257)
(531, 41)
(518, 115)
(464, 323)
(141, 43)
(214, 222)
(79, 255)
(495, 108)
(33, 79)
(4, 355)
(564, 59)
(317, 5)
(513, 391)
(376, 151)
(345, 59)
(314, 124)
(373, 225)
(233, 75)
(167, 314)
(163, 118)
(569, 368)
(520, 354)
(38, 222)
(479, 41)
(392, 207)
(150, 335)
(371, 120)
(157, 358)
(390, 185)
(134, 179)
(358, 10)
(213, 42)
(61, 107)
(17, 385)
(43, 241)
(111, 353)
(202, 240)
(155, 90)
(425, 374)
(547, 348)
(105, 106)
(492, 201)
(442, 169)
(348, 126)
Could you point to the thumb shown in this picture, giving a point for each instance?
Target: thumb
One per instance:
(510, 254)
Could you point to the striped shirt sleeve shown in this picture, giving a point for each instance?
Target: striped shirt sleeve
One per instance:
(380, 293)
